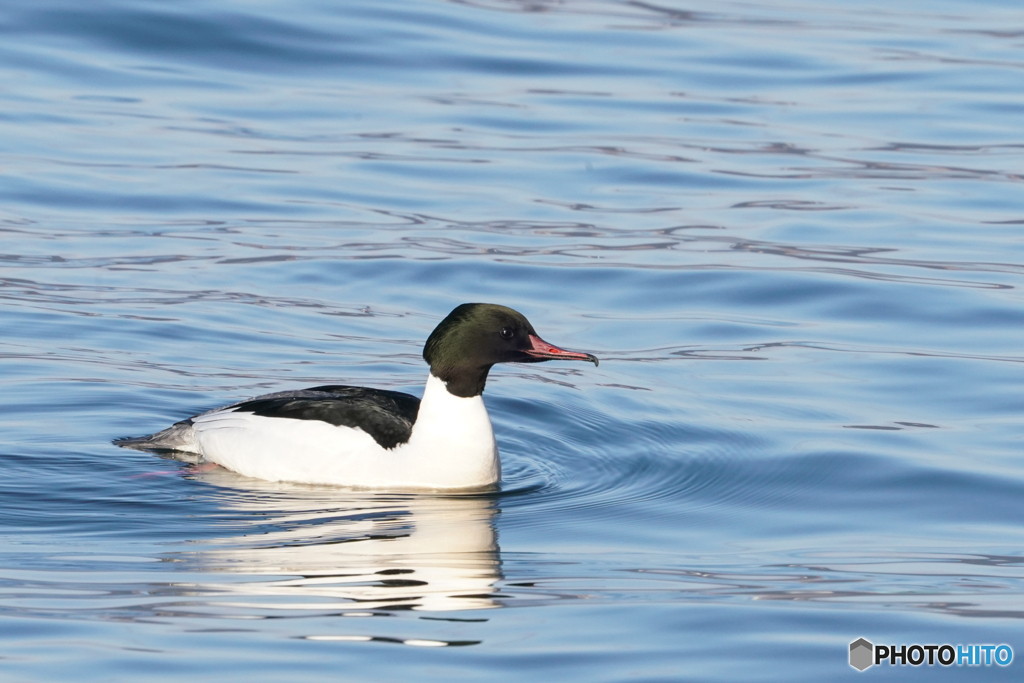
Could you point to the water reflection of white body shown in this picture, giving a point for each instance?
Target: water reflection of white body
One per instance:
(325, 548)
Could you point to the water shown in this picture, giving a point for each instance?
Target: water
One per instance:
(791, 231)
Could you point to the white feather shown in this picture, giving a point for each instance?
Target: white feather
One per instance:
(452, 446)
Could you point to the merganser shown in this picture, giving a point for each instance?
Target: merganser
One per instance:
(374, 438)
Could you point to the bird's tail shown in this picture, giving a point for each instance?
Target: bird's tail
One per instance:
(178, 437)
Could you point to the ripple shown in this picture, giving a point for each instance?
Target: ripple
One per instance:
(569, 470)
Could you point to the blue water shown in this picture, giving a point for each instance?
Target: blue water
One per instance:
(792, 231)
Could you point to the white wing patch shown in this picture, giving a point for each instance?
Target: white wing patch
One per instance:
(283, 449)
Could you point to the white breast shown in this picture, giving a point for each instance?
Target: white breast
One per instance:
(452, 446)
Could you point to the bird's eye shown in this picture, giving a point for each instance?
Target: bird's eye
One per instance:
(507, 333)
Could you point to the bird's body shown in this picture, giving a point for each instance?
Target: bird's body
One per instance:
(355, 436)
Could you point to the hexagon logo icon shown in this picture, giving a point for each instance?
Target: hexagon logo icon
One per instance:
(862, 654)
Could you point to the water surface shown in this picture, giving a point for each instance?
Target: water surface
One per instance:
(791, 231)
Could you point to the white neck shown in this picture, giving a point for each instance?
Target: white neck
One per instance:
(452, 443)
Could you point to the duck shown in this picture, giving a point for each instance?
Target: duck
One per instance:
(375, 438)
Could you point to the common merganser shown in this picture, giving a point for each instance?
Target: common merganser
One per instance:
(356, 436)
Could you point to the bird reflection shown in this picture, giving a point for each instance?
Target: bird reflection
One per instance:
(321, 548)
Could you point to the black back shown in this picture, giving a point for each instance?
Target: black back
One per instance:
(387, 416)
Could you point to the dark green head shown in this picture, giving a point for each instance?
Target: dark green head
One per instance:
(464, 346)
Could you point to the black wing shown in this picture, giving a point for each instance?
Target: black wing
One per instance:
(387, 416)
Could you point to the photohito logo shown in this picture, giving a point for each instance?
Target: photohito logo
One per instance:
(864, 654)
